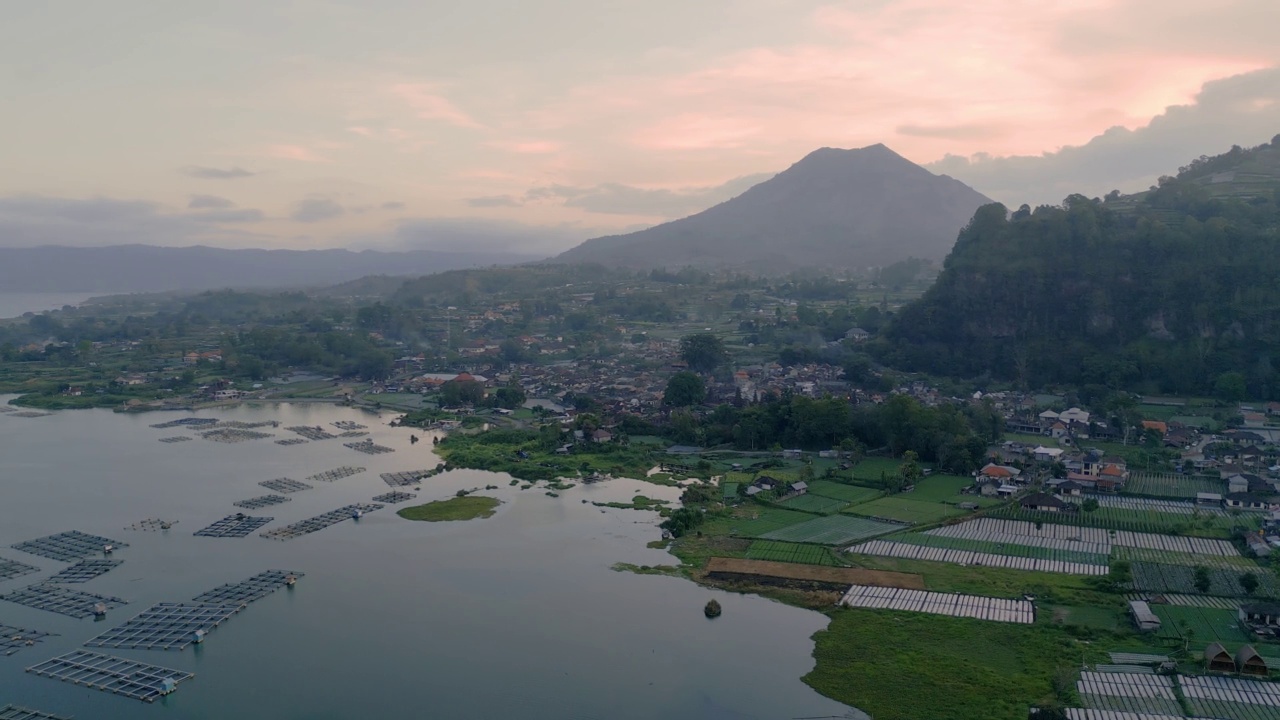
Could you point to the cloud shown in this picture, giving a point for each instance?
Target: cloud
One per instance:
(295, 152)
(237, 215)
(209, 201)
(493, 201)
(212, 173)
(428, 104)
(620, 199)
(27, 221)
(316, 209)
(393, 205)
(1240, 110)
(528, 147)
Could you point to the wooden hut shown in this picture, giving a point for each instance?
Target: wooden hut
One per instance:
(1217, 659)
(1249, 662)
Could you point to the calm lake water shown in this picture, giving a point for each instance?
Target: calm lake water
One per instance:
(15, 304)
(516, 616)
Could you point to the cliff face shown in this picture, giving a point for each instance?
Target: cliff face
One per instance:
(834, 209)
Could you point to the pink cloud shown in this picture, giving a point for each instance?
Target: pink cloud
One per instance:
(428, 104)
(528, 147)
(294, 152)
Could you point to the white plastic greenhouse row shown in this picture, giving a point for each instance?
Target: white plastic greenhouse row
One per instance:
(1134, 685)
(972, 531)
(1173, 507)
(1247, 692)
(968, 557)
(1091, 714)
(1084, 536)
(971, 606)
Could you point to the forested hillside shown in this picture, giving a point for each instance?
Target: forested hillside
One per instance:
(1173, 290)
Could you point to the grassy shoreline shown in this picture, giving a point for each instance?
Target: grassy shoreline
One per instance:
(470, 507)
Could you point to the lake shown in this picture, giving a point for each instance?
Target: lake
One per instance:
(519, 615)
(15, 304)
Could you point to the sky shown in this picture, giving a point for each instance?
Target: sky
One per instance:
(528, 126)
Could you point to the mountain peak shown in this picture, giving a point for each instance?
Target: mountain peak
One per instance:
(835, 208)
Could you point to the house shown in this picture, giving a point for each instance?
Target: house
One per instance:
(601, 436)
(792, 454)
(1260, 616)
(1237, 484)
(1046, 454)
(1217, 659)
(1244, 501)
(1158, 426)
(1070, 488)
(1143, 618)
(1249, 662)
(1257, 544)
(1206, 498)
(1044, 502)
(999, 472)
(1074, 414)
(800, 488)
(857, 335)
(1058, 430)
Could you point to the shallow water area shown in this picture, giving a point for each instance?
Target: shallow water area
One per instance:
(518, 615)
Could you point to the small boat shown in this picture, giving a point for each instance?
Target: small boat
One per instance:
(106, 549)
(355, 514)
(100, 610)
(290, 580)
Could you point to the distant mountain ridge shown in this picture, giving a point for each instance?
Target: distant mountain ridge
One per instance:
(150, 268)
(833, 209)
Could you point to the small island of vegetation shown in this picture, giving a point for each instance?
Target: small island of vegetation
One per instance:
(458, 508)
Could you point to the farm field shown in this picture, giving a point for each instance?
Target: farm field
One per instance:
(1239, 562)
(941, 488)
(968, 557)
(1160, 578)
(1171, 507)
(1171, 485)
(851, 494)
(756, 520)
(1201, 625)
(815, 504)
(779, 551)
(729, 490)
(906, 509)
(832, 530)
(1000, 548)
(872, 468)
(1143, 521)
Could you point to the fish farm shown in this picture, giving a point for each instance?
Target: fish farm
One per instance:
(284, 485)
(63, 601)
(336, 473)
(394, 497)
(13, 639)
(320, 522)
(292, 441)
(250, 590)
(68, 546)
(31, 414)
(166, 626)
(152, 525)
(13, 712)
(233, 435)
(261, 502)
(176, 439)
(84, 571)
(234, 526)
(186, 422)
(349, 425)
(120, 676)
(368, 448)
(10, 569)
(352, 434)
(405, 479)
(242, 425)
(311, 433)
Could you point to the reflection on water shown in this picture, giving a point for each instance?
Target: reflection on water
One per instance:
(516, 616)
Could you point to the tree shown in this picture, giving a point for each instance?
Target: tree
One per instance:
(1089, 505)
(1249, 581)
(684, 389)
(703, 352)
(910, 470)
(1202, 581)
(459, 392)
(1230, 387)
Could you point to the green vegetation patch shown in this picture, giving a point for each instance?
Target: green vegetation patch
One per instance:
(852, 494)
(874, 468)
(941, 488)
(906, 509)
(832, 530)
(790, 552)
(458, 508)
(1201, 626)
(815, 504)
(910, 666)
(1170, 485)
(729, 490)
(756, 520)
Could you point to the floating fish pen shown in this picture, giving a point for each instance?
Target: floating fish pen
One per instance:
(68, 546)
(250, 590)
(84, 571)
(7, 409)
(63, 601)
(234, 526)
(233, 435)
(31, 414)
(349, 425)
(292, 441)
(13, 639)
(320, 522)
(193, 422)
(311, 433)
(368, 448)
(166, 626)
(117, 675)
(176, 439)
(284, 485)
(13, 712)
(10, 569)
(261, 502)
(242, 425)
(336, 474)
(353, 433)
(405, 479)
(394, 497)
(152, 525)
